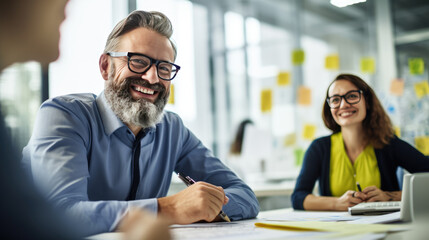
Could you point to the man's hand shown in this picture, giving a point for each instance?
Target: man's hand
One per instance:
(349, 199)
(200, 201)
(139, 224)
(375, 194)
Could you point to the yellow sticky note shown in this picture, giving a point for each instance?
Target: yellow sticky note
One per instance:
(299, 156)
(397, 131)
(421, 89)
(283, 79)
(289, 140)
(298, 57)
(304, 95)
(397, 87)
(309, 131)
(416, 65)
(422, 144)
(332, 62)
(266, 100)
(367, 65)
(171, 98)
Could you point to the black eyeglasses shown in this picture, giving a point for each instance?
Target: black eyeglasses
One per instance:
(140, 63)
(351, 97)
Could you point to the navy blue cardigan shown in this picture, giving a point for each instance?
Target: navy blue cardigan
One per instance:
(317, 163)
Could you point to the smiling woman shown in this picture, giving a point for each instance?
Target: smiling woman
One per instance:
(362, 149)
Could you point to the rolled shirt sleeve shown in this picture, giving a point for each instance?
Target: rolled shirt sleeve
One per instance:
(199, 163)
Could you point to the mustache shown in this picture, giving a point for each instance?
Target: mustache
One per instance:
(141, 82)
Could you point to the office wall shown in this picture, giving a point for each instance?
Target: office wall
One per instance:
(232, 51)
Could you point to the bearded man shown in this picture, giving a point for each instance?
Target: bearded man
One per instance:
(100, 156)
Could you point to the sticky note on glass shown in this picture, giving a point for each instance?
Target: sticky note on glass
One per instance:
(304, 95)
(171, 98)
(397, 131)
(298, 57)
(332, 62)
(308, 131)
(289, 140)
(416, 66)
(266, 100)
(283, 78)
(421, 89)
(367, 65)
(397, 87)
(422, 144)
(299, 156)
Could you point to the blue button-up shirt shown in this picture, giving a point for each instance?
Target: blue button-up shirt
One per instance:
(80, 155)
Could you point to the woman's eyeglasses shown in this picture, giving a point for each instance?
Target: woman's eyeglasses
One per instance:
(351, 97)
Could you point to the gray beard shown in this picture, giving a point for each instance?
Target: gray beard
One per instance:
(139, 112)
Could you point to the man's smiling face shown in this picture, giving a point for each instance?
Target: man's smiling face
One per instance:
(150, 43)
(139, 99)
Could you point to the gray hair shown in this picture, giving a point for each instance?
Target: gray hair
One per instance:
(153, 20)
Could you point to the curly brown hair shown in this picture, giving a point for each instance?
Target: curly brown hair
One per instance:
(377, 126)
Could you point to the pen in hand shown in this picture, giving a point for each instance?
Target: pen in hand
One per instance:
(358, 186)
(189, 181)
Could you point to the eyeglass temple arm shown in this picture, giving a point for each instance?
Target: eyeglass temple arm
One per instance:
(118, 54)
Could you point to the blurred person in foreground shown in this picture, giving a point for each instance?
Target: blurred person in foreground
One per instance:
(99, 156)
(362, 149)
(29, 30)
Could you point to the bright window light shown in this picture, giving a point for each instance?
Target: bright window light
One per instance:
(345, 3)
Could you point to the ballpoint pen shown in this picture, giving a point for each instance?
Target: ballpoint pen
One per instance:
(358, 186)
(189, 181)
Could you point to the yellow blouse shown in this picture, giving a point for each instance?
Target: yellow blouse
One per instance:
(344, 175)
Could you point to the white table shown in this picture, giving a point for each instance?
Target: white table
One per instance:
(246, 230)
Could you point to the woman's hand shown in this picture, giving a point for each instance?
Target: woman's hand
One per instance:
(349, 199)
(375, 194)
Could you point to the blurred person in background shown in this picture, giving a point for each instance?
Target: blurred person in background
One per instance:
(235, 158)
(29, 30)
(237, 144)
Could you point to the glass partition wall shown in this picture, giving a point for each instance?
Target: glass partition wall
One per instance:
(265, 60)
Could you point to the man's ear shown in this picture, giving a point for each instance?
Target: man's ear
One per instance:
(104, 64)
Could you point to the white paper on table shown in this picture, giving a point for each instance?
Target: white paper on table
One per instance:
(239, 230)
(385, 218)
(313, 216)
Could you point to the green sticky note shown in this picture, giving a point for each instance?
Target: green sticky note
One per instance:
(416, 65)
(299, 156)
(298, 57)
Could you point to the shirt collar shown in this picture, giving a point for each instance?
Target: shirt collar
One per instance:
(110, 121)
